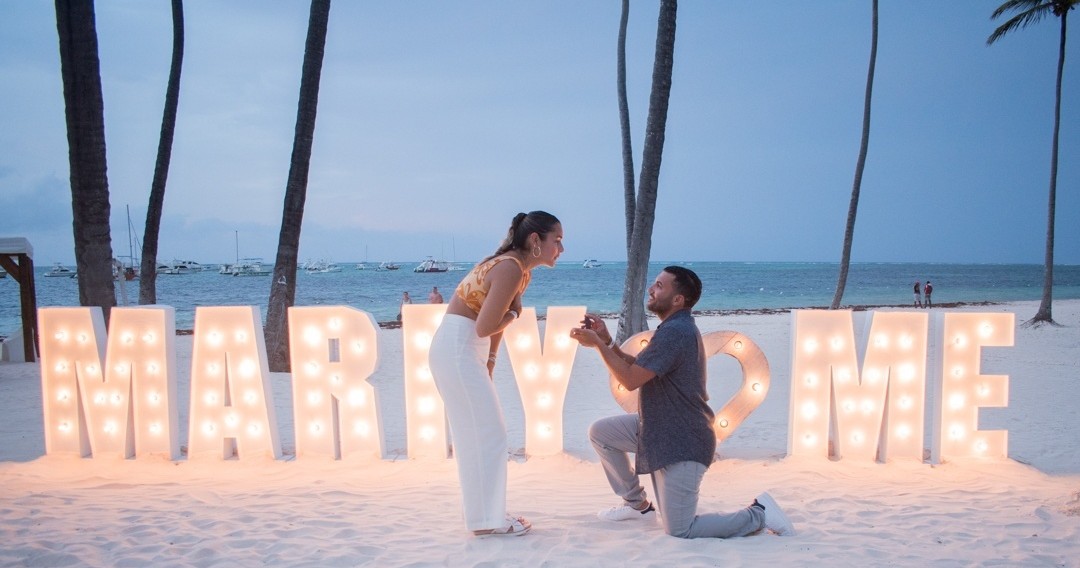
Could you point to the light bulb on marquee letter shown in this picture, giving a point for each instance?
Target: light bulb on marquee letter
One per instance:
(755, 377)
(339, 343)
(240, 388)
(425, 415)
(962, 390)
(859, 403)
(543, 393)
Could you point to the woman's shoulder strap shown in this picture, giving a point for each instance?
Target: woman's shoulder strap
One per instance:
(502, 257)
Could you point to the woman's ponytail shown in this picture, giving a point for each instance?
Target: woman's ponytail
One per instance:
(523, 225)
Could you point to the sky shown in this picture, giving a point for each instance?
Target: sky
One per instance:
(438, 121)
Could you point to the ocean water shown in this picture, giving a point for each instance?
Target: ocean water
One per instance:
(727, 286)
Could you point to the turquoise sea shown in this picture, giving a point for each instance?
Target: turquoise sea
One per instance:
(727, 286)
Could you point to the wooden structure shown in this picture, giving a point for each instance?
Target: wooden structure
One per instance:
(16, 257)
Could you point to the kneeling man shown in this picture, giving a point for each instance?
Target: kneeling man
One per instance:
(672, 435)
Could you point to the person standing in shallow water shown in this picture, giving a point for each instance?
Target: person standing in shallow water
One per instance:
(405, 299)
(435, 297)
(462, 358)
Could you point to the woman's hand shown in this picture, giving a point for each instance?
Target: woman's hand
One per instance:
(515, 304)
(586, 337)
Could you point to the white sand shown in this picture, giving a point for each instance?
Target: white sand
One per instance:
(1020, 512)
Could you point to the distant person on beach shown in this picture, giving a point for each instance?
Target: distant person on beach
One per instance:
(671, 436)
(405, 299)
(918, 294)
(928, 289)
(462, 359)
(434, 297)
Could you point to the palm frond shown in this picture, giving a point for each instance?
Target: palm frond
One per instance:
(1036, 10)
(1015, 6)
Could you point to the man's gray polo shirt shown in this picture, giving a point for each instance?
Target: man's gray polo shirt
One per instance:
(674, 418)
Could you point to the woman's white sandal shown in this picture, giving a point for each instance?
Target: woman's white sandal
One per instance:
(517, 527)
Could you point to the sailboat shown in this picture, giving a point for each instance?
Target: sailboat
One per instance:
(363, 265)
(250, 266)
(129, 270)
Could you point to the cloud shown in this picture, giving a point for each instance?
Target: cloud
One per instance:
(43, 205)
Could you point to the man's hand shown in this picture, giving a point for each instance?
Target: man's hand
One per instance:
(592, 333)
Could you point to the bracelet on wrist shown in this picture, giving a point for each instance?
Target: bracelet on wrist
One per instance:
(491, 358)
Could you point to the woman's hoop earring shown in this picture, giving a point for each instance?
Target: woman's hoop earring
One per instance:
(536, 251)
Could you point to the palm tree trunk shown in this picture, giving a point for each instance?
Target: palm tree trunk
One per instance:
(148, 269)
(1045, 314)
(853, 205)
(283, 285)
(632, 319)
(84, 109)
(629, 189)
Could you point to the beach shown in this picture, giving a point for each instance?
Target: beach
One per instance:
(402, 511)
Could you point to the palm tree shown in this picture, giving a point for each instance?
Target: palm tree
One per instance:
(629, 184)
(148, 270)
(283, 285)
(1030, 12)
(632, 314)
(853, 206)
(84, 110)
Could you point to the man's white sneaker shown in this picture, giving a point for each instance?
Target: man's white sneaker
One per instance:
(775, 519)
(627, 513)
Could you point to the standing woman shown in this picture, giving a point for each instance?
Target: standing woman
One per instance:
(462, 358)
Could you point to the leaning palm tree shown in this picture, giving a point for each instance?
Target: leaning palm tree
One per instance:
(148, 269)
(853, 205)
(283, 285)
(1030, 12)
(632, 314)
(84, 109)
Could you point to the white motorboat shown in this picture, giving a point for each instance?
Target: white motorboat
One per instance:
(432, 265)
(591, 263)
(173, 269)
(320, 267)
(60, 271)
(388, 266)
(180, 267)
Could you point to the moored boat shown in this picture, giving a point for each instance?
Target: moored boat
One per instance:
(432, 265)
(320, 267)
(60, 271)
(245, 267)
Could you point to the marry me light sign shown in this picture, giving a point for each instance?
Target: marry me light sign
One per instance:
(852, 397)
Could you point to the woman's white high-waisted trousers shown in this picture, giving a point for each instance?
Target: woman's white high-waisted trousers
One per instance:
(458, 361)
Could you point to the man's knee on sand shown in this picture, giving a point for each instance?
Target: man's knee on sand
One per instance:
(683, 530)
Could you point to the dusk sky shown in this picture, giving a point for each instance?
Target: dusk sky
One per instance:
(438, 121)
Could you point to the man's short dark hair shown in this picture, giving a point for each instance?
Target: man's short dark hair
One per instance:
(686, 283)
